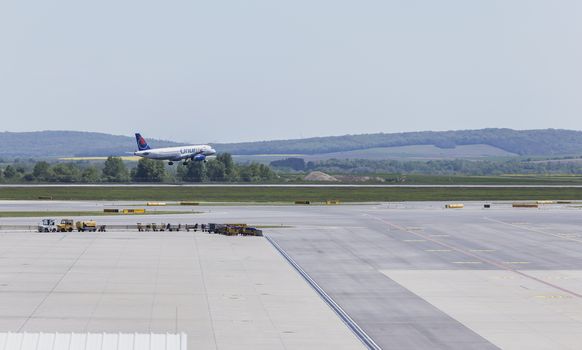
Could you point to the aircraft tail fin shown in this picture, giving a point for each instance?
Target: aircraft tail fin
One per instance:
(142, 144)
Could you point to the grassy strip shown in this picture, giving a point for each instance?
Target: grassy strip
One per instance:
(527, 179)
(287, 194)
(419, 179)
(27, 214)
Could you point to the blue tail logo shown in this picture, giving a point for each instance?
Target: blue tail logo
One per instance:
(142, 145)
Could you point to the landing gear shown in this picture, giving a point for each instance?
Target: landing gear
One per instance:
(170, 163)
(185, 163)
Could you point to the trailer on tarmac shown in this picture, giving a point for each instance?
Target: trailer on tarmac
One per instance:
(234, 229)
(86, 226)
(252, 231)
(170, 227)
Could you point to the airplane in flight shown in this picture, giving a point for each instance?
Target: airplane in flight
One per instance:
(194, 153)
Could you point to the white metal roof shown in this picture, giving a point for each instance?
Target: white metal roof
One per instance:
(92, 341)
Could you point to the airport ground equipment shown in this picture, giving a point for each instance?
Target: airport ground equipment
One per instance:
(217, 228)
(84, 226)
(161, 227)
(189, 227)
(66, 225)
(102, 228)
(525, 205)
(47, 225)
(213, 228)
(234, 229)
(252, 231)
(237, 224)
(454, 206)
(486, 206)
(147, 227)
(133, 211)
(170, 227)
(223, 229)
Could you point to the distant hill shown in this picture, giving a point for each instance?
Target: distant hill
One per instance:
(425, 144)
(41, 144)
(547, 142)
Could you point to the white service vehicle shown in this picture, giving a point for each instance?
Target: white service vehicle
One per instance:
(47, 225)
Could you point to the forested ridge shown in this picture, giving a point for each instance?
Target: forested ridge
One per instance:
(546, 142)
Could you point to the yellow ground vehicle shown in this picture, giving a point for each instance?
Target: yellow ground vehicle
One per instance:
(66, 225)
(231, 230)
(234, 229)
(89, 225)
(252, 231)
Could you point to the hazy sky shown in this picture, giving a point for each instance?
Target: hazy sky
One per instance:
(201, 71)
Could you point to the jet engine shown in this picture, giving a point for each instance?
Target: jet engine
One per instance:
(199, 157)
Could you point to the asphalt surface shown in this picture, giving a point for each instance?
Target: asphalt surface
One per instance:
(418, 276)
(223, 292)
(353, 260)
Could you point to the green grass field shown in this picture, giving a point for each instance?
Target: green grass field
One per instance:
(419, 179)
(490, 180)
(286, 194)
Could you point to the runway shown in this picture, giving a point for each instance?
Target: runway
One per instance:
(410, 275)
(438, 279)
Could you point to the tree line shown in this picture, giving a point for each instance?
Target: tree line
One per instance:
(432, 167)
(224, 169)
(114, 169)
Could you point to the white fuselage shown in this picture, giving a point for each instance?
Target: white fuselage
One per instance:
(177, 153)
